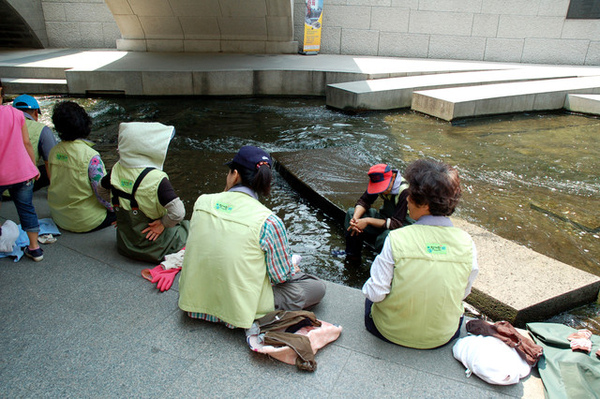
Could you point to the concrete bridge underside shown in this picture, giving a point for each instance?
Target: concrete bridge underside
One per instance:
(230, 26)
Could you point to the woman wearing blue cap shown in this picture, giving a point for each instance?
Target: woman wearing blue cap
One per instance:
(238, 265)
(41, 136)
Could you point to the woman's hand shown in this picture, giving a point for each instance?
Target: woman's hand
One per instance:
(154, 230)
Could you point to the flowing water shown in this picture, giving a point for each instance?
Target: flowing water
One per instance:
(531, 178)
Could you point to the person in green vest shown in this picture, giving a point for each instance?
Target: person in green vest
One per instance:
(41, 136)
(424, 271)
(364, 223)
(76, 170)
(149, 213)
(238, 264)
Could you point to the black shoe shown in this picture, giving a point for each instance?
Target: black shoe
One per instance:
(37, 254)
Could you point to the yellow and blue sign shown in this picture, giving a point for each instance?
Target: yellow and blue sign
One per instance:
(312, 27)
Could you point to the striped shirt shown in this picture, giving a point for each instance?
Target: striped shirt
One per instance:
(278, 258)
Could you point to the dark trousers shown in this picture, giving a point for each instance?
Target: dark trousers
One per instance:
(372, 235)
(370, 325)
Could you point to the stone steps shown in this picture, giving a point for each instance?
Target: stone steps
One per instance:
(465, 102)
(583, 103)
(35, 86)
(392, 93)
(26, 77)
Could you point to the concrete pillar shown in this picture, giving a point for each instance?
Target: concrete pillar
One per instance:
(249, 26)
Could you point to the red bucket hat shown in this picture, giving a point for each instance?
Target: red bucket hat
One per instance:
(380, 176)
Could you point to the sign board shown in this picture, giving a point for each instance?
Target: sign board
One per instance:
(312, 27)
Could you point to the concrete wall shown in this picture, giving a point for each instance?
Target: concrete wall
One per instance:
(230, 26)
(79, 24)
(531, 31)
(32, 13)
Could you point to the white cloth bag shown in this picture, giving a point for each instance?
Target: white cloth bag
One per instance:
(490, 359)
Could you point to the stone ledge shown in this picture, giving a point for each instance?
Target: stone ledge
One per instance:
(586, 104)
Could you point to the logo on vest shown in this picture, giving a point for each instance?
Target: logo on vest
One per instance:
(61, 157)
(223, 207)
(126, 183)
(437, 249)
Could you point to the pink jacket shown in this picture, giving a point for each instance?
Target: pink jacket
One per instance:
(15, 164)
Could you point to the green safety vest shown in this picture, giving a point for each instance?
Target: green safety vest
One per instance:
(224, 272)
(72, 201)
(147, 192)
(424, 306)
(388, 209)
(35, 130)
(136, 208)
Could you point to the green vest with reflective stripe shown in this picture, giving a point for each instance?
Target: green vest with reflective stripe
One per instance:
(224, 272)
(35, 130)
(72, 201)
(147, 193)
(424, 306)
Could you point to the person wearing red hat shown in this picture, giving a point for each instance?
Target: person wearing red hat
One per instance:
(363, 223)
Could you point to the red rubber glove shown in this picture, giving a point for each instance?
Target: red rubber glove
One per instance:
(164, 279)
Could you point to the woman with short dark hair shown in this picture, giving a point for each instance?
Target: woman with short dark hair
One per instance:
(420, 278)
(76, 170)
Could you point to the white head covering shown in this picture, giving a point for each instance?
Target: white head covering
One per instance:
(397, 184)
(144, 144)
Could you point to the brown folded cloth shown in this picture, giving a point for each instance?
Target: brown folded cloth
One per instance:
(299, 343)
(279, 327)
(504, 331)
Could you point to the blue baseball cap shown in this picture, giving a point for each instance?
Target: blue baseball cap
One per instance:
(251, 157)
(25, 101)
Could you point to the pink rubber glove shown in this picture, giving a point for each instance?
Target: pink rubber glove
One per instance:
(164, 279)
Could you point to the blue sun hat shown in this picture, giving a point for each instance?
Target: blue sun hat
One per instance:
(25, 101)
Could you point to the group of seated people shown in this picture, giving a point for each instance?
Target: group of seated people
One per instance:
(237, 263)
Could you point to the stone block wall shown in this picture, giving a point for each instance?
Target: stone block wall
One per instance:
(79, 24)
(249, 26)
(532, 31)
(32, 13)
